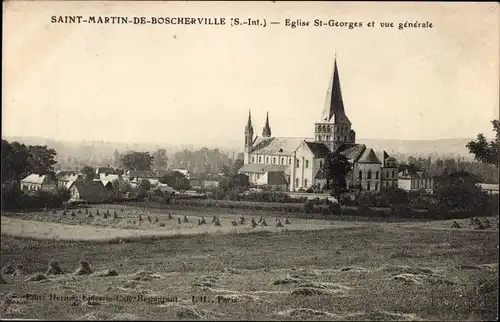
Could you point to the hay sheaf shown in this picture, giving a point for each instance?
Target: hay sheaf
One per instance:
(54, 269)
(105, 273)
(354, 269)
(382, 316)
(206, 281)
(190, 313)
(145, 276)
(230, 270)
(7, 270)
(401, 269)
(83, 269)
(419, 279)
(19, 271)
(287, 280)
(304, 313)
(36, 278)
(324, 286)
(308, 291)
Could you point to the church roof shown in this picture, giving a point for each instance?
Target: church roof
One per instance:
(318, 149)
(266, 132)
(368, 156)
(334, 104)
(278, 145)
(262, 168)
(354, 152)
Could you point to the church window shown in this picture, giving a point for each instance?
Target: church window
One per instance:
(328, 138)
(280, 150)
(297, 182)
(368, 185)
(253, 159)
(329, 129)
(393, 174)
(260, 159)
(376, 177)
(376, 186)
(369, 176)
(274, 160)
(282, 160)
(360, 176)
(267, 160)
(298, 164)
(307, 163)
(289, 160)
(387, 174)
(305, 183)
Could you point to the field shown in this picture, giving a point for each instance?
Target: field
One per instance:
(310, 269)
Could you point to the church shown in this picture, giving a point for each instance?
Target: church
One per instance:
(295, 163)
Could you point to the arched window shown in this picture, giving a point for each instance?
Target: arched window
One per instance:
(360, 175)
(289, 160)
(305, 183)
(329, 129)
(328, 138)
(376, 186)
(369, 176)
(387, 174)
(393, 175)
(298, 163)
(376, 177)
(274, 160)
(253, 159)
(267, 160)
(368, 185)
(260, 159)
(307, 163)
(296, 182)
(320, 164)
(282, 160)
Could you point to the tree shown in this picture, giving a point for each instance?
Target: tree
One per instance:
(459, 190)
(236, 166)
(335, 168)
(484, 151)
(121, 187)
(88, 173)
(176, 180)
(117, 159)
(137, 161)
(41, 159)
(160, 159)
(144, 186)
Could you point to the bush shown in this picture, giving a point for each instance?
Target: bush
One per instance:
(14, 198)
(335, 209)
(308, 206)
(364, 210)
(401, 211)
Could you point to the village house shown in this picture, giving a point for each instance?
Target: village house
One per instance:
(35, 182)
(66, 180)
(105, 170)
(205, 181)
(88, 191)
(415, 180)
(185, 172)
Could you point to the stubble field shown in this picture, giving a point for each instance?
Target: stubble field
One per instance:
(310, 269)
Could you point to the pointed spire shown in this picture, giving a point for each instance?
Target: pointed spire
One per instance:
(267, 129)
(334, 105)
(249, 123)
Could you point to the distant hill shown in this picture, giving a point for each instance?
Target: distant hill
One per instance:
(441, 147)
(417, 148)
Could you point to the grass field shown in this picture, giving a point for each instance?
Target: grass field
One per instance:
(311, 269)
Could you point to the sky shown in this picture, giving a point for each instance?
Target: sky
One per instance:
(196, 84)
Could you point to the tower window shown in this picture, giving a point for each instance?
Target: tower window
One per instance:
(297, 164)
(369, 176)
(280, 150)
(307, 163)
(376, 177)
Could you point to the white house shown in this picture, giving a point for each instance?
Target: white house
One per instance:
(35, 182)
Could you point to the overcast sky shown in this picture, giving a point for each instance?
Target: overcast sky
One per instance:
(195, 84)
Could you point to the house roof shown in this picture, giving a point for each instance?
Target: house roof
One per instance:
(489, 186)
(368, 156)
(318, 149)
(35, 179)
(143, 174)
(261, 168)
(91, 190)
(273, 178)
(70, 177)
(105, 170)
(64, 173)
(278, 145)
